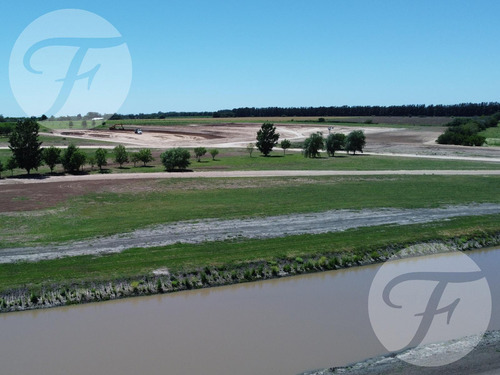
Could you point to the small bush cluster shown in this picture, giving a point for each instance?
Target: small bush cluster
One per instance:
(465, 131)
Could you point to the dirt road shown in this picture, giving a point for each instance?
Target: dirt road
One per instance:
(240, 174)
(268, 227)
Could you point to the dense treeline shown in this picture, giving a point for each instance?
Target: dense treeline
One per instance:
(465, 131)
(458, 110)
(159, 115)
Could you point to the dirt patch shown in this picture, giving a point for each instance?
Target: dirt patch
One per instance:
(20, 196)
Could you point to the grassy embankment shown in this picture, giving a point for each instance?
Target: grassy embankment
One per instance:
(170, 201)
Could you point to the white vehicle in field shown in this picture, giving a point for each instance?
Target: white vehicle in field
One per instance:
(138, 131)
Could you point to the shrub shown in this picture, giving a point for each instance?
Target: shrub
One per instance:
(145, 156)
(204, 278)
(322, 261)
(51, 156)
(285, 143)
(101, 158)
(333, 263)
(73, 159)
(214, 152)
(175, 158)
(121, 155)
(313, 145)
(248, 275)
(34, 298)
(199, 152)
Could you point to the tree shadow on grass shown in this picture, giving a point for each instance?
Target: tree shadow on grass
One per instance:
(31, 176)
(179, 170)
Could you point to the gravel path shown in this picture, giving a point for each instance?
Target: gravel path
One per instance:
(268, 227)
(238, 174)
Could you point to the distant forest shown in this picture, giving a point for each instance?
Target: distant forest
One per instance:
(457, 110)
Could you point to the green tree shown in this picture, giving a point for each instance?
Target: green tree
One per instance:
(145, 156)
(24, 144)
(355, 141)
(134, 158)
(92, 161)
(73, 159)
(121, 155)
(267, 138)
(313, 145)
(2, 168)
(78, 160)
(214, 152)
(199, 152)
(11, 165)
(175, 158)
(334, 142)
(101, 158)
(285, 143)
(51, 156)
(250, 148)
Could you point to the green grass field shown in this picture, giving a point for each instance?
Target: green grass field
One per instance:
(230, 160)
(185, 257)
(403, 122)
(492, 136)
(164, 201)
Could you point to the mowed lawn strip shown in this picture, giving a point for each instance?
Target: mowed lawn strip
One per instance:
(239, 159)
(167, 201)
(189, 257)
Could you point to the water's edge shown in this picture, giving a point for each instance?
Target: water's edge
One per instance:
(161, 281)
(393, 363)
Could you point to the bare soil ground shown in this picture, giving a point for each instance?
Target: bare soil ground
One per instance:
(418, 140)
(202, 231)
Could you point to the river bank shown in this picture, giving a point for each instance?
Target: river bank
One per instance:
(162, 281)
(484, 359)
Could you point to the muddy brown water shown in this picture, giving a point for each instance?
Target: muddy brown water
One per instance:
(282, 326)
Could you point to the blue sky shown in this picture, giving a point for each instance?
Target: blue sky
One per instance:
(190, 55)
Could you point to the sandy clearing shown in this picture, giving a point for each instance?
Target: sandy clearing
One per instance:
(268, 227)
(380, 140)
